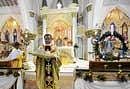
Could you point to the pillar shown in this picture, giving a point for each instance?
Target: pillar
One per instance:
(74, 29)
(29, 23)
(44, 23)
(74, 26)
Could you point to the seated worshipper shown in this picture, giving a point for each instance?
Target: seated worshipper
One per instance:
(15, 56)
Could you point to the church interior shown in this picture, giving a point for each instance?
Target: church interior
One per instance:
(64, 44)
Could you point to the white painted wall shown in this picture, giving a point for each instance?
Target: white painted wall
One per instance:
(9, 10)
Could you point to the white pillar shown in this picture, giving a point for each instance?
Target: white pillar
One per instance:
(90, 17)
(129, 37)
(90, 49)
(24, 14)
(74, 27)
(44, 26)
(74, 30)
(28, 23)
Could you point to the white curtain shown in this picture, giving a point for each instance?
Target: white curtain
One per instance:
(81, 84)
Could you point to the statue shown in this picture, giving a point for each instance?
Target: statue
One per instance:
(7, 35)
(59, 42)
(112, 28)
(108, 45)
(125, 36)
(65, 41)
(15, 35)
(47, 65)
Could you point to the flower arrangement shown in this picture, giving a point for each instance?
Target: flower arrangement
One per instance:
(88, 76)
(10, 72)
(27, 36)
(121, 77)
(101, 77)
(89, 33)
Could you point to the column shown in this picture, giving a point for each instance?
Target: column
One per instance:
(90, 15)
(90, 49)
(74, 29)
(24, 14)
(128, 37)
(85, 48)
(44, 26)
(29, 23)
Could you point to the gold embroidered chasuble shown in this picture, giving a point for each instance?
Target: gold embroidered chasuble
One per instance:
(47, 70)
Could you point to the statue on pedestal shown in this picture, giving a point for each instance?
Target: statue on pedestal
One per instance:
(15, 35)
(59, 42)
(7, 35)
(108, 45)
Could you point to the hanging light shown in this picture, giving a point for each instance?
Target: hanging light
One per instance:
(59, 4)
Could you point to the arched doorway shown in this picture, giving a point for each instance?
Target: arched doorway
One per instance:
(10, 31)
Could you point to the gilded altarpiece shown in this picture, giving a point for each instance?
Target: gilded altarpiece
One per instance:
(60, 26)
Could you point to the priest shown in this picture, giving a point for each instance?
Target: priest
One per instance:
(47, 65)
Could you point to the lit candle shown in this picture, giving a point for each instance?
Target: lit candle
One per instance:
(112, 29)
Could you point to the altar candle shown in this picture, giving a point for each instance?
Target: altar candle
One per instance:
(65, 32)
(69, 33)
(112, 29)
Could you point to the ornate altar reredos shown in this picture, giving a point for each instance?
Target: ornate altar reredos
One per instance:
(120, 20)
(10, 31)
(61, 24)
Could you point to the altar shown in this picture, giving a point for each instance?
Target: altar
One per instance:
(62, 25)
(11, 67)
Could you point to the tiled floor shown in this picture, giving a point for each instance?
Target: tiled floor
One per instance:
(30, 84)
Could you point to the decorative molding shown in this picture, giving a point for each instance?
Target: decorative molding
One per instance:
(74, 14)
(57, 11)
(31, 14)
(89, 7)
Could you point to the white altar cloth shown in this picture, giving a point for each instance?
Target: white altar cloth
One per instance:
(81, 84)
(7, 82)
